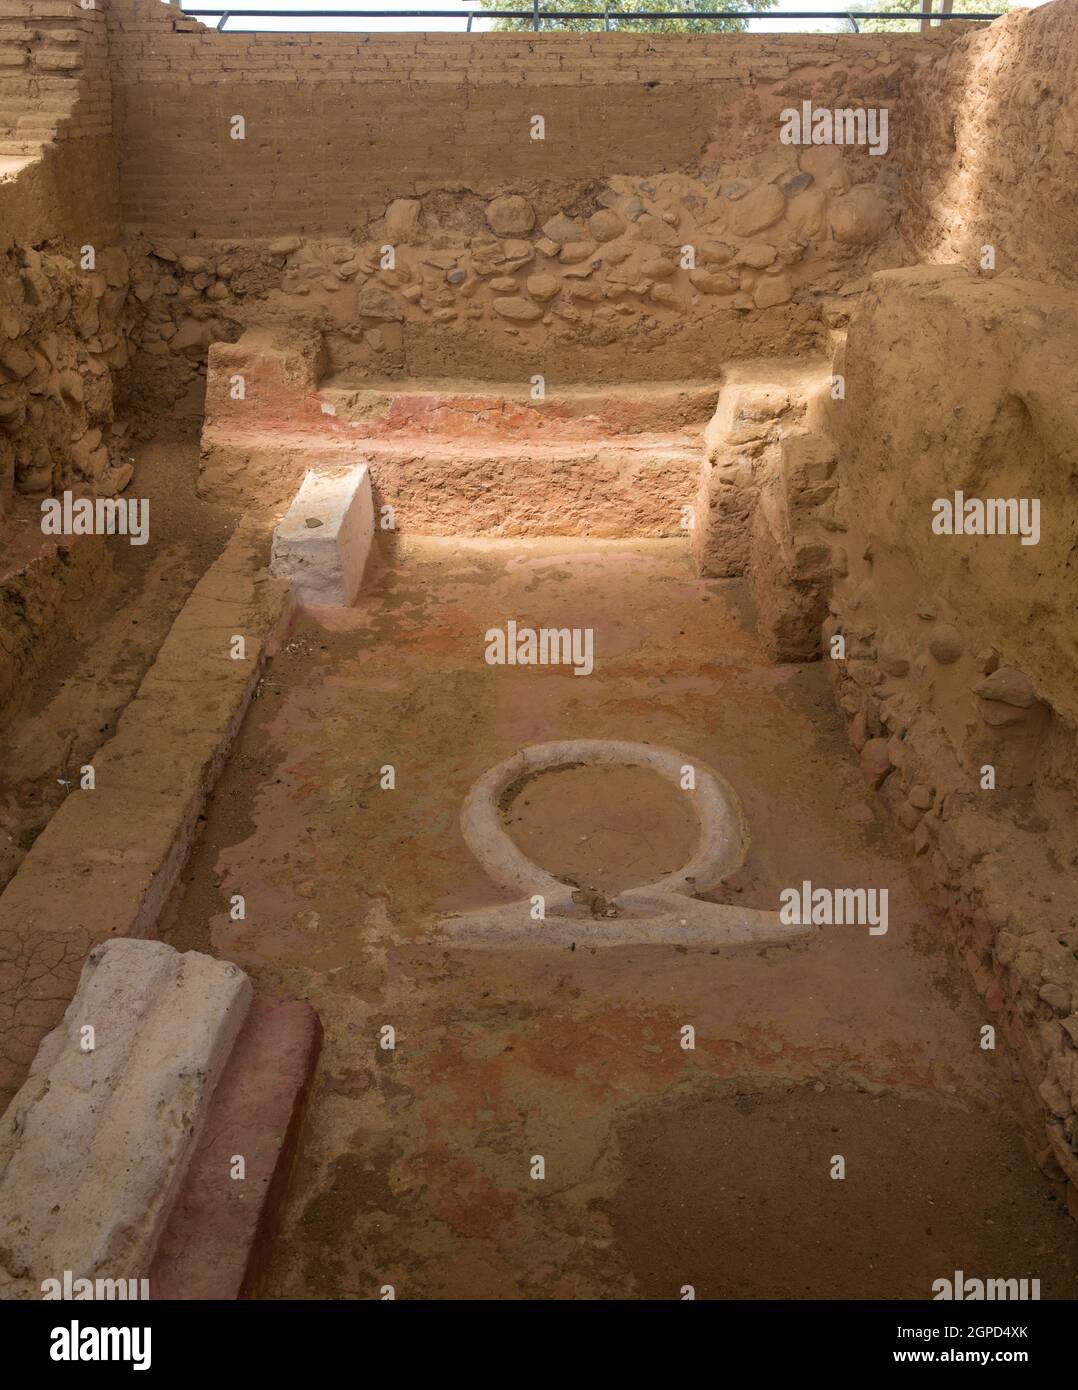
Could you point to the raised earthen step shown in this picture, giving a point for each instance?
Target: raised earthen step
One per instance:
(632, 485)
(448, 407)
(453, 457)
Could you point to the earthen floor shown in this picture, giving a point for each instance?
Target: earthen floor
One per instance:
(664, 1167)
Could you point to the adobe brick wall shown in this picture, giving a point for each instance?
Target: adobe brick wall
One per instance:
(63, 323)
(41, 63)
(338, 124)
(56, 107)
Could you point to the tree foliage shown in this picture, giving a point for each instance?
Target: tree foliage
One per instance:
(878, 26)
(657, 25)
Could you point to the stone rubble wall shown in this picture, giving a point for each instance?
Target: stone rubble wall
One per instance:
(64, 333)
(562, 283)
(63, 328)
(764, 509)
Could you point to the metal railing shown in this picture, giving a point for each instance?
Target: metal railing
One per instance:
(537, 15)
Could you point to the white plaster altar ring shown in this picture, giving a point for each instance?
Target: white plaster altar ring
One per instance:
(723, 839)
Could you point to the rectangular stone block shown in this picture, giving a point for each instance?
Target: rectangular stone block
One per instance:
(323, 541)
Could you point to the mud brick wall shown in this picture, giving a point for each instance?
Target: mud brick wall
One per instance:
(43, 63)
(340, 123)
(992, 145)
(62, 319)
(56, 105)
(352, 141)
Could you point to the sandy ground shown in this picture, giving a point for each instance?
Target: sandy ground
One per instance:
(664, 1166)
(602, 828)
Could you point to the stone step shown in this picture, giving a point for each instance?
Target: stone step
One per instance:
(323, 541)
(452, 457)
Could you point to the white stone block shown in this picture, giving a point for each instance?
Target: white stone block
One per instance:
(323, 541)
(96, 1142)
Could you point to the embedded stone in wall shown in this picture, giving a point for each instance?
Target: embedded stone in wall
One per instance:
(1007, 694)
(807, 212)
(520, 310)
(757, 210)
(402, 219)
(826, 164)
(606, 224)
(376, 302)
(860, 216)
(772, 290)
(709, 283)
(1012, 728)
(510, 216)
(543, 287)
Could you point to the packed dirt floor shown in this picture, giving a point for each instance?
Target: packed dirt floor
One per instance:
(664, 1167)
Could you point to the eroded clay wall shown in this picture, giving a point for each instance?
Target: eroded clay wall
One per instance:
(958, 662)
(931, 505)
(991, 147)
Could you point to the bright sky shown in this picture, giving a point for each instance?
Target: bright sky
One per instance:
(773, 26)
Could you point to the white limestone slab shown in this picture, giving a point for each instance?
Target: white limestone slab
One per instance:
(324, 539)
(94, 1145)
